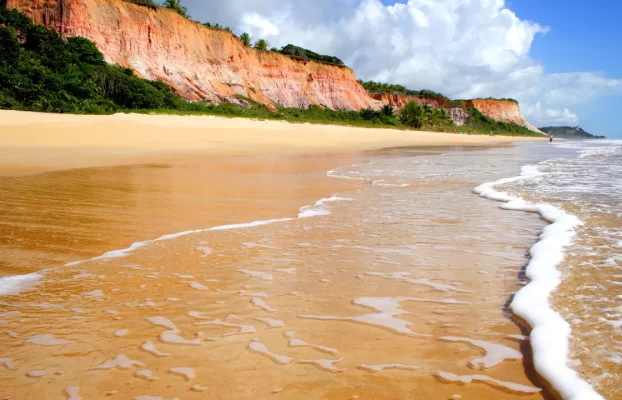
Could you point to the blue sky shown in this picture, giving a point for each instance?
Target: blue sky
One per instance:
(583, 36)
(561, 59)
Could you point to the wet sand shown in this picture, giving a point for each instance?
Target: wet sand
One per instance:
(384, 292)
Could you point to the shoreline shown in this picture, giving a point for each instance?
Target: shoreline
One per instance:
(276, 156)
(38, 142)
(550, 333)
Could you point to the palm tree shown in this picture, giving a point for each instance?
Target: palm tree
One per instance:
(176, 6)
(387, 110)
(246, 39)
(262, 45)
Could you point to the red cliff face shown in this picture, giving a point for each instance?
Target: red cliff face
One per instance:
(398, 101)
(199, 63)
(207, 64)
(501, 110)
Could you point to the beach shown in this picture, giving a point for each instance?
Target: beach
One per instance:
(146, 257)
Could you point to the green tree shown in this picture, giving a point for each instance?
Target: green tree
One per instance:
(9, 46)
(262, 45)
(412, 115)
(387, 110)
(176, 6)
(246, 39)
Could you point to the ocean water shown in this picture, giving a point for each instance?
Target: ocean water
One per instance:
(584, 179)
(403, 273)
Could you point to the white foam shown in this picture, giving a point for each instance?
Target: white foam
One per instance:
(7, 362)
(120, 361)
(121, 332)
(35, 373)
(242, 329)
(328, 365)
(186, 372)
(149, 347)
(290, 271)
(515, 387)
(172, 337)
(257, 274)
(260, 348)
(381, 367)
(93, 294)
(47, 340)
(198, 388)
(550, 334)
(197, 286)
(137, 245)
(262, 304)
(404, 276)
(164, 322)
(12, 285)
(72, 393)
(388, 310)
(271, 322)
(146, 374)
(294, 342)
(205, 249)
(319, 208)
(495, 353)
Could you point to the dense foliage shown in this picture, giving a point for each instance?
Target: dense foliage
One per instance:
(481, 123)
(388, 88)
(416, 116)
(305, 54)
(569, 132)
(176, 6)
(40, 71)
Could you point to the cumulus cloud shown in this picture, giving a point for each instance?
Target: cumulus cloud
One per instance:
(462, 48)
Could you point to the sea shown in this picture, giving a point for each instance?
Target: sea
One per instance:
(432, 273)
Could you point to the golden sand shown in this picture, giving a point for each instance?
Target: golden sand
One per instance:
(32, 142)
(149, 176)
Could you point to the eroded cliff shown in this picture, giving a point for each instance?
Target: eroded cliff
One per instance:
(501, 110)
(198, 62)
(398, 101)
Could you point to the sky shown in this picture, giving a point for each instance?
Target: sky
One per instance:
(562, 60)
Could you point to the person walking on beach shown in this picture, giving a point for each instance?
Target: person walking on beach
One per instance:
(551, 138)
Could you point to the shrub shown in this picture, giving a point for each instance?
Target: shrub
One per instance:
(387, 110)
(176, 6)
(146, 3)
(262, 45)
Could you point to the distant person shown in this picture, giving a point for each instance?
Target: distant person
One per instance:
(551, 138)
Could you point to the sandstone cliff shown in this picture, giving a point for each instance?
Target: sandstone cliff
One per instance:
(501, 110)
(199, 63)
(207, 64)
(398, 101)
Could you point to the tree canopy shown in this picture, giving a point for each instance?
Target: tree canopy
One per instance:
(305, 54)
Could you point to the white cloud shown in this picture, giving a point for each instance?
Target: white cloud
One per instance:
(462, 48)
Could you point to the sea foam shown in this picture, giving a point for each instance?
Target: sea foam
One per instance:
(11, 285)
(318, 209)
(550, 334)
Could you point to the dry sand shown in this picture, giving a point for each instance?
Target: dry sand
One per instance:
(35, 142)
